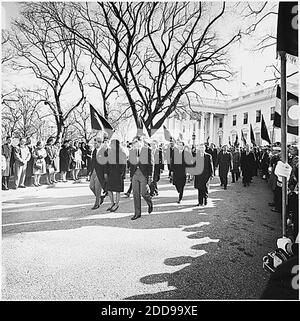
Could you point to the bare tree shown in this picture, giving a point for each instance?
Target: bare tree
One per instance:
(20, 113)
(50, 54)
(259, 13)
(80, 120)
(7, 52)
(160, 50)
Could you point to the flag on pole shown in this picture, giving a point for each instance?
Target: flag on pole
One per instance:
(236, 143)
(287, 29)
(292, 112)
(98, 122)
(264, 131)
(142, 129)
(252, 136)
(207, 140)
(243, 138)
(167, 134)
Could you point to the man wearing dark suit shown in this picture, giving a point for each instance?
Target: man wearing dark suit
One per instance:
(204, 167)
(96, 174)
(141, 164)
(169, 156)
(225, 165)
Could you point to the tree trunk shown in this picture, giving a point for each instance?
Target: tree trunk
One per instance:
(60, 129)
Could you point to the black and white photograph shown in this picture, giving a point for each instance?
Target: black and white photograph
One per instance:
(149, 152)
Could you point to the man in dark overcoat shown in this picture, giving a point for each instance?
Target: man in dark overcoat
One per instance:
(204, 171)
(225, 165)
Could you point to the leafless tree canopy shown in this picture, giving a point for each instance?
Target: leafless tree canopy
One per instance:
(21, 113)
(156, 52)
(49, 53)
(152, 53)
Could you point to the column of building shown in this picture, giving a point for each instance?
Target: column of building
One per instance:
(211, 128)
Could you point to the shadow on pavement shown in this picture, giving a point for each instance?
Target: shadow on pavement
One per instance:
(241, 231)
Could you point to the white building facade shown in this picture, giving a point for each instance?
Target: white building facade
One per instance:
(220, 121)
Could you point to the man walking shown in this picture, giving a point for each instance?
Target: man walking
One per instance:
(225, 165)
(203, 162)
(141, 165)
(96, 174)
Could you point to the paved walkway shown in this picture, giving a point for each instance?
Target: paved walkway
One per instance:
(54, 247)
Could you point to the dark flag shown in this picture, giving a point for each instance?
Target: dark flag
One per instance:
(243, 138)
(287, 28)
(264, 131)
(236, 143)
(252, 136)
(98, 122)
(207, 140)
(292, 116)
(167, 134)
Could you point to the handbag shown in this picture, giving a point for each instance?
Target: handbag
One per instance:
(38, 166)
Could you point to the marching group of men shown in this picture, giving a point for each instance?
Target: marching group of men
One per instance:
(145, 162)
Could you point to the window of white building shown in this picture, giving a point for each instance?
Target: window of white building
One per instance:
(245, 121)
(258, 116)
(220, 122)
(234, 120)
(272, 113)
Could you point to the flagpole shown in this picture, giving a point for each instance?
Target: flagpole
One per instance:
(283, 135)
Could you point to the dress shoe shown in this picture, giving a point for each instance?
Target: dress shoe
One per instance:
(225, 187)
(109, 209)
(114, 208)
(150, 208)
(22, 186)
(135, 217)
(127, 195)
(95, 207)
(102, 199)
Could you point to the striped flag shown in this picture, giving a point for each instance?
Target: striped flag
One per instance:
(292, 112)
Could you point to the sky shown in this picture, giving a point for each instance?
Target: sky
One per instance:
(250, 65)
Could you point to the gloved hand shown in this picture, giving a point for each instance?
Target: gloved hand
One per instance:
(283, 169)
(282, 242)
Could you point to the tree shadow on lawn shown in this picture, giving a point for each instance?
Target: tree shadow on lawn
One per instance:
(60, 214)
(220, 270)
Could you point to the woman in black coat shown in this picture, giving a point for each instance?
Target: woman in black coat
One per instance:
(115, 171)
(182, 160)
(64, 160)
(203, 172)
